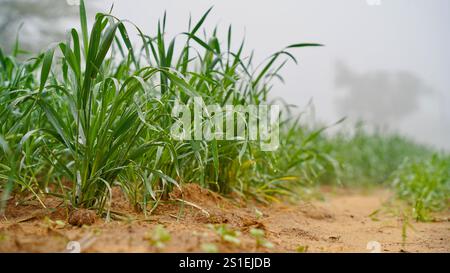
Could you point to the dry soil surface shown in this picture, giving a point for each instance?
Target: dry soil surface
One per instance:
(344, 221)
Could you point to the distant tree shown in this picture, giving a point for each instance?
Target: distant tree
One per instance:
(42, 22)
(379, 96)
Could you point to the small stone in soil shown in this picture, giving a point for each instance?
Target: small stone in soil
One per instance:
(82, 217)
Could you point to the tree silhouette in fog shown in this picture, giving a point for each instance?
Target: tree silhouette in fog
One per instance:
(378, 96)
(42, 22)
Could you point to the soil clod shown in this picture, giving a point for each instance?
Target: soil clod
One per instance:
(82, 217)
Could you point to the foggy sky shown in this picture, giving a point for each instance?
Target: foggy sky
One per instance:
(400, 47)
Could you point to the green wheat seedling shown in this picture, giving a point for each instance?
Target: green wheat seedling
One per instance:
(424, 184)
(260, 238)
(208, 248)
(159, 237)
(226, 233)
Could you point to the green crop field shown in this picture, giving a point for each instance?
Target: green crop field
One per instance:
(93, 114)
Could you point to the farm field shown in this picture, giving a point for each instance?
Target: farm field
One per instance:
(173, 144)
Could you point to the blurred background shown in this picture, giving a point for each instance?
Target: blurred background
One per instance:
(385, 62)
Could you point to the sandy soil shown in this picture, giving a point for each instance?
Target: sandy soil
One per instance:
(343, 222)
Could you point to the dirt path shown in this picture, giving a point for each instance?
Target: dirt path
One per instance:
(339, 223)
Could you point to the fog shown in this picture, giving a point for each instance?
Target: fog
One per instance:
(387, 64)
(379, 96)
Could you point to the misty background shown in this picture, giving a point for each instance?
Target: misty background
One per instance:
(385, 61)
